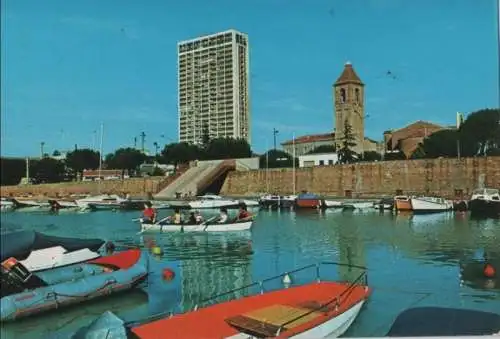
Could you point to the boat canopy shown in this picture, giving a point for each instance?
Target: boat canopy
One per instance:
(441, 321)
(21, 243)
(307, 196)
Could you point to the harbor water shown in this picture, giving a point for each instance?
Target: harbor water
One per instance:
(411, 260)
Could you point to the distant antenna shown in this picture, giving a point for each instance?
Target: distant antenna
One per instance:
(143, 139)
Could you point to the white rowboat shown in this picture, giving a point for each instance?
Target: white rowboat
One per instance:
(210, 227)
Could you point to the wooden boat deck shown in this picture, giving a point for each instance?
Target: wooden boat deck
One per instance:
(259, 314)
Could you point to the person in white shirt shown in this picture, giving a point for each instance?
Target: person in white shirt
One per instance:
(199, 218)
(223, 216)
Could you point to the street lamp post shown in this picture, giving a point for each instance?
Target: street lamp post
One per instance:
(275, 132)
(42, 144)
(155, 144)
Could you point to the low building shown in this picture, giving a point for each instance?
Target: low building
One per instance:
(103, 174)
(307, 143)
(408, 138)
(318, 159)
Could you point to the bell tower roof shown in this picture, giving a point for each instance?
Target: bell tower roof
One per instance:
(348, 76)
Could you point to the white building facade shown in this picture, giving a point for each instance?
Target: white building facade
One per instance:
(320, 159)
(213, 87)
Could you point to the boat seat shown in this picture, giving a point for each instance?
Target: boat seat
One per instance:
(266, 321)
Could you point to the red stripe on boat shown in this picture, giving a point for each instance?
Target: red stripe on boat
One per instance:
(122, 260)
(210, 322)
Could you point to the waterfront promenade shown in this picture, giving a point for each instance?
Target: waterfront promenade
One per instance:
(451, 178)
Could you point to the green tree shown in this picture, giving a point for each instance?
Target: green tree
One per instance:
(439, 144)
(56, 153)
(126, 159)
(205, 136)
(394, 156)
(323, 149)
(348, 141)
(12, 170)
(277, 159)
(371, 156)
(227, 148)
(180, 153)
(82, 159)
(480, 133)
(48, 170)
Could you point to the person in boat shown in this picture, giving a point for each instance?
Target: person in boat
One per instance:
(199, 217)
(149, 213)
(192, 219)
(243, 214)
(177, 217)
(223, 217)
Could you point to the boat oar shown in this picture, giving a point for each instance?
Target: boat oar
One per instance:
(156, 223)
(206, 223)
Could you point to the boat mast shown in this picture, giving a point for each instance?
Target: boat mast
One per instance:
(100, 159)
(267, 168)
(293, 168)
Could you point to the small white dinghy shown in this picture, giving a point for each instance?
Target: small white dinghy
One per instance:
(203, 227)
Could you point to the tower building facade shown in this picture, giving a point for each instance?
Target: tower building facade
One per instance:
(213, 87)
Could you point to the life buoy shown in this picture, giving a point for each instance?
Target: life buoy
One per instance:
(489, 271)
(168, 274)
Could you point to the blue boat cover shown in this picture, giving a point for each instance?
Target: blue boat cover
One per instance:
(307, 196)
(20, 244)
(441, 321)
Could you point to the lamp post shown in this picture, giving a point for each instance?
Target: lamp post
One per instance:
(275, 132)
(42, 144)
(155, 144)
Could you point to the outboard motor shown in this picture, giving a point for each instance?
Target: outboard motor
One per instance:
(15, 278)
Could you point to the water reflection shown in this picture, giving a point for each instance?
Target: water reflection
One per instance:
(72, 318)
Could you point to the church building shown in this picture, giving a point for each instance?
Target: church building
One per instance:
(349, 105)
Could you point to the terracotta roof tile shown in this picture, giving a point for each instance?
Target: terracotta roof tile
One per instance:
(348, 76)
(311, 138)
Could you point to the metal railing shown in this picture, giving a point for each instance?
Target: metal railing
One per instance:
(362, 278)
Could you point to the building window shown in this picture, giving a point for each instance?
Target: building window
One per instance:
(343, 95)
(459, 193)
(330, 162)
(348, 193)
(356, 91)
(321, 162)
(399, 192)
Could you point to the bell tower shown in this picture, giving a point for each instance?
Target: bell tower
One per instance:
(348, 101)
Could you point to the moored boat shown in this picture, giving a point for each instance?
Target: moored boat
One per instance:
(6, 204)
(485, 203)
(274, 201)
(432, 322)
(332, 203)
(402, 203)
(203, 227)
(103, 201)
(317, 309)
(308, 200)
(384, 204)
(25, 293)
(359, 205)
(37, 251)
(430, 205)
(208, 201)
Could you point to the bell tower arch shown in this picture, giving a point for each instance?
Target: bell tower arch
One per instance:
(349, 104)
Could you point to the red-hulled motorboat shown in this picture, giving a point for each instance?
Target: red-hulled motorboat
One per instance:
(315, 310)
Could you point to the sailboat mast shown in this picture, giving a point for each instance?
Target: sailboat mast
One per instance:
(293, 152)
(100, 157)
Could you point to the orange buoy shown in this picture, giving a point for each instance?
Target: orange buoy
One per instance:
(168, 274)
(489, 271)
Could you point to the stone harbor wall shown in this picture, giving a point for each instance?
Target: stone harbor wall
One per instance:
(136, 187)
(451, 178)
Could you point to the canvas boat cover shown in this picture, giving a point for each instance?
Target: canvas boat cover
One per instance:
(441, 321)
(21, 243)
(307, 196)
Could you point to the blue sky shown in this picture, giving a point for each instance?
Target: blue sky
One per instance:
(67, 66)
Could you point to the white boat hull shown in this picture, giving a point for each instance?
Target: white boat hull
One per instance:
(53, 257)
(359, 205)
(235, 227)
(250, 203)
(332, 328)
(333, 203)
(206, 204)
(430, 205)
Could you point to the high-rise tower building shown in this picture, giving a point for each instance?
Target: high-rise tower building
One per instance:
(213, 75)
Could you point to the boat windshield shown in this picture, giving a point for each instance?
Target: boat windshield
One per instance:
(486, 191)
